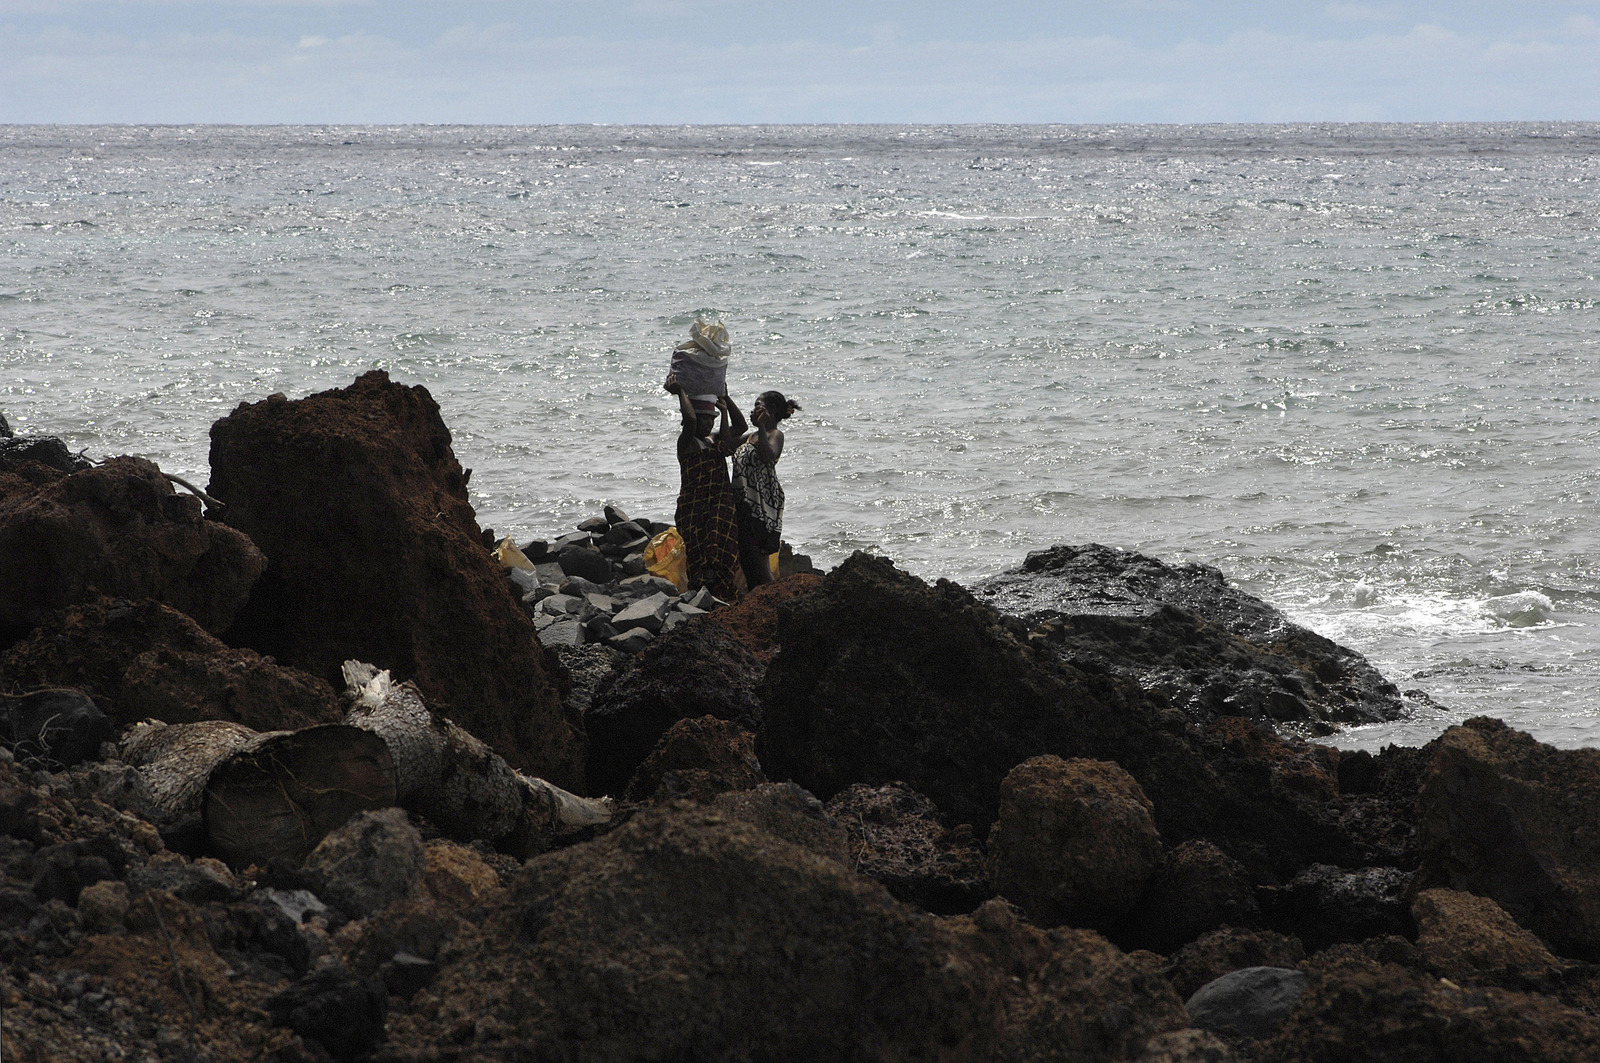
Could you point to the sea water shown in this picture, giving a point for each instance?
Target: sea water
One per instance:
(1352, 366)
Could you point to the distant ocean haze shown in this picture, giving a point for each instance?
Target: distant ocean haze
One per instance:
(1352, 366)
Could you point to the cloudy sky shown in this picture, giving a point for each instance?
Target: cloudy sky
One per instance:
(672, 61)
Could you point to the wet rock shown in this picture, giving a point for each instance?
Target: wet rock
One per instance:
(1509, 818)
(1230, 949)
(1472, 941)
(1249, 1003)
(695, 670)
(53, 729)
(1324, 904)
(1181, 631)
(1367, 1011)
(140, 660)
(339, 1010)
(698, 759)
(788, 812)
(387, 566)
(1198, 888)
(896, 838)
(688, 934)
(1074, 842)
(48, 451)
(367, 864)
(118, 529)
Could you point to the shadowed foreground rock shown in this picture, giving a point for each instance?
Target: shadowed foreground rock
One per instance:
(360, 506)
(686, 934)
(117, 529)
(141, 660)
(896, 838)
(1507, 817)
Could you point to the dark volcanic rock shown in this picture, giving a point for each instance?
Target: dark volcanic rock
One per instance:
(1197, 889)
(698, 759)
(1506, 817)
(896, 838)
(118, 529)
(685, 934)
(1074, 843)
(360, 506)
(785, 811)
(54, 729)
(142, 660)
(1183, 632)
(1230, 949)
(883, 678)
(42, 450)
(341, 1011)
(1324, 904)
(1363, 1011)
(696, 669)
(1472, 941)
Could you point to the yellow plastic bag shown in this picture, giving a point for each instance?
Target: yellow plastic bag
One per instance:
(665, 557)
(772, 559)
(510, 556)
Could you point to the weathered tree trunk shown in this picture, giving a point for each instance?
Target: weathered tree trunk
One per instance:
(254, 795)
(456, 781)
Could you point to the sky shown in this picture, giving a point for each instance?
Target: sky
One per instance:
(717, 61)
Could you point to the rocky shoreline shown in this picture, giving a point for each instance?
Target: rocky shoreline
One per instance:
(317, 769)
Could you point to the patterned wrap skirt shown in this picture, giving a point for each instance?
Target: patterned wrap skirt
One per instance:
(706, 521)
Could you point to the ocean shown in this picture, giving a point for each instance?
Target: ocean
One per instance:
(1352, 366)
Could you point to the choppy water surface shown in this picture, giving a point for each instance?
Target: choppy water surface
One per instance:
(1353, 366)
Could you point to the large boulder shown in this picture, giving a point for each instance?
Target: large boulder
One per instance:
(1181, 631)
(1359, 1011)
(884, 679)
(686, 934)
(117, 529)
(374, 552)
(1074, 843)
(696, 669)
(1472, 941)
(141, 660)
(1504, 816)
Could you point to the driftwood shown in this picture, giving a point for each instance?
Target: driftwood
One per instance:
(461, 785)
(259, 796)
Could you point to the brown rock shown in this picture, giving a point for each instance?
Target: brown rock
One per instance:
(896, 838)
(788, 812)
(1197, 889)
(686, 934)
(1503, 816)
(118, 529)
(141, 660)
(1213, 955)
(360, 506)
(1364, 1011)
(753, 620)
(695, 670)
(1472, 941)
(454, 876)
(698, 759)
(1186, 1046)
(1074, 842)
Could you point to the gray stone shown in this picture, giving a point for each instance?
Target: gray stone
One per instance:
(538, 594)
(6, 433)
(1249, 1003)
(703, 600)
(631, 641)
(560, 604)
(196, 883)
(577, 586)
(673, 619)
(583, 561)
(656, 584)
(633, 565)
(577, 538)
(594, 526)
(625, 532)
(298, 905)
(600, 628)
(542, 621)
(648, 613)
(685, 609)
(614, 515)
(566, 632)
(367, 864)
(526, 580)
(603, 603)
(549, 572)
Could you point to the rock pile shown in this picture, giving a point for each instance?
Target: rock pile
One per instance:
(855, 817)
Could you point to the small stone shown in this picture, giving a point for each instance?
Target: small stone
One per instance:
(577, 538)
(536, 550)
(601, 602)
(560, 604)
(625, 532)
(633, 565)
(566, 632)
(995, 915)
(700, 599)
(648, 613)
(688, 610)
(102, 905)
(298, 905)
(631, 641)
(543, 620)
(656, 584)
(406, 975)
(1248, 1003)
(525, 580)
(594, 525)
(578, 587)
(341, 1011)
(368, 863)
(614, 515)
(599, 628)
(585, 561)
(549, 572)
(672, 620)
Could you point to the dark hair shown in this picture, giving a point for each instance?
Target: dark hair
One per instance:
(780, 407)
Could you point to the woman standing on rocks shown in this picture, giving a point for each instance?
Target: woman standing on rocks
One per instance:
(758, 496)
(705, 515)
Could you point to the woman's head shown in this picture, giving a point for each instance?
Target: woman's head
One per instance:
(776, 406)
